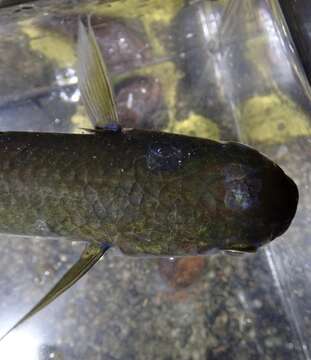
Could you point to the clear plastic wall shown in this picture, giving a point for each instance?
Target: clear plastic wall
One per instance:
(225, 70)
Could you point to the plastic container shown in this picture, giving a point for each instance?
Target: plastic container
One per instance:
(221, 69)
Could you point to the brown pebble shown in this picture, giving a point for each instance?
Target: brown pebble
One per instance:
(181, 272)
(138, 100)
(123, 47)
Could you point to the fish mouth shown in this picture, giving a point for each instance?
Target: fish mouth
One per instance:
(285, 202)
(278, 202)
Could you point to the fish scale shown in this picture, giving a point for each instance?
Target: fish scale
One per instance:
(83, 187)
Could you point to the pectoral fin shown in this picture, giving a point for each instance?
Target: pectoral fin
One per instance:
(87, 260)
(242, 251)
(96, 91)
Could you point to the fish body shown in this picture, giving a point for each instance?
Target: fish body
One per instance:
(146, 192)
(149, 193)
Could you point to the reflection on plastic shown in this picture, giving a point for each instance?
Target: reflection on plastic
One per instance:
(244, 80)
(21, 344)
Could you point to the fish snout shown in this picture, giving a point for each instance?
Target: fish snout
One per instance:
(263, 200)
(280, 199)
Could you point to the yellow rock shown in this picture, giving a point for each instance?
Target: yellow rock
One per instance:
(52, 45)
(199, 126)
(272, 119)
(157, 10)
(150, 13)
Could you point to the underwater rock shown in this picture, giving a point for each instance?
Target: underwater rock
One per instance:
(140, 103)
(181, 272)
(123, 44)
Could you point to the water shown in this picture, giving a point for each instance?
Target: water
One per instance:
(220, 69)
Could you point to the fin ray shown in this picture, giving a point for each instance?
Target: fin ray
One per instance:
(89, 257)
(95, 88)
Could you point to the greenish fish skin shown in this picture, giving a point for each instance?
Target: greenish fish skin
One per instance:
(147, 193)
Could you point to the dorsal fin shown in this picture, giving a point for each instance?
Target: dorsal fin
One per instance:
(95, 88)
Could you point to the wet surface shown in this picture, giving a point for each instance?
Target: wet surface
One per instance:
(220, 306)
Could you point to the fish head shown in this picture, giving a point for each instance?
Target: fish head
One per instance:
(250, 202)
(260, 201)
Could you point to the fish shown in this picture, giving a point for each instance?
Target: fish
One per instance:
(148, 193)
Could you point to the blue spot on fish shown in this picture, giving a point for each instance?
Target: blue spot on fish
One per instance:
(113, 127)
(242, 187)
(164, 157)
